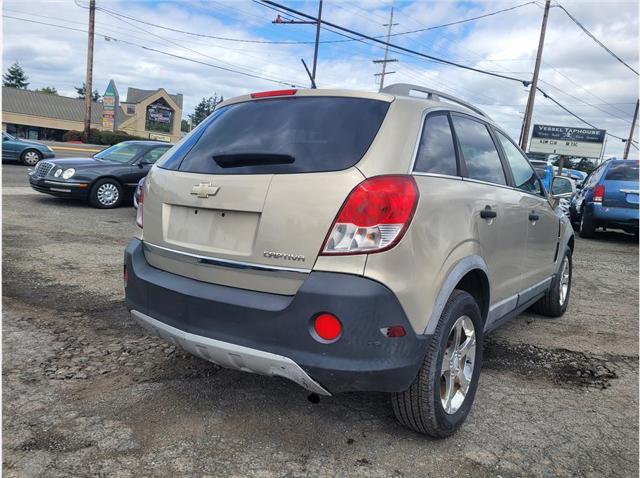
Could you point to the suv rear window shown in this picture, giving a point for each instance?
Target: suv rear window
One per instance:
(627, 171)
(282, 135)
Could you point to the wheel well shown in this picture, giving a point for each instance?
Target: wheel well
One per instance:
(476, 283)
(30, 149)
(93, 183)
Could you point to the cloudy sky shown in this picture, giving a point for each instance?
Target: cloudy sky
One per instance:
(575, 71)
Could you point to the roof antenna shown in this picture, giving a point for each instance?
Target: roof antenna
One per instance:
(313, 83)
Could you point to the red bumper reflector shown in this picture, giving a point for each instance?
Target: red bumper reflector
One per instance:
(125, 275)
(394, 331)
(327, 327)
(266, 94)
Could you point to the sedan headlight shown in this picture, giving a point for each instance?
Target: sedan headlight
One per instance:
(68, 173)
(48, 148)
(57, 173)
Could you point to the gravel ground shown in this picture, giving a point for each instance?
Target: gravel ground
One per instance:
(86, 392)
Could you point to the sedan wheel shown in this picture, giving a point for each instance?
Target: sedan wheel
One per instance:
(106, 194)
(31, 157)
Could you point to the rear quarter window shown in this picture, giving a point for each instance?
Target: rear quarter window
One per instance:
(284, 135)
(627, 171)
(436, 153)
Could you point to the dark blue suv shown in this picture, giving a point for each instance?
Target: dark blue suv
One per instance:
(608, 198)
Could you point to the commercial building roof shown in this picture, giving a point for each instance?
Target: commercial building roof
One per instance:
(34, 103)
(136, 95)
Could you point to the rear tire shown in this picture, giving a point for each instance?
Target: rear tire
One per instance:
(30, 157)
(106, 194)
(587, 226)
(441, 380)
(555, 301)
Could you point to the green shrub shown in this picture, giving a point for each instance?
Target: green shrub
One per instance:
(96, 136)
(72, 135)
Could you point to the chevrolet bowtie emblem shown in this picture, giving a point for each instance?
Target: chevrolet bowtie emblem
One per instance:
(204, 190)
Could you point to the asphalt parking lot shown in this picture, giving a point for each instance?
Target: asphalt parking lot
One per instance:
(86, 392)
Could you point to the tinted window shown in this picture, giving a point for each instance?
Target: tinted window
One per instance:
(121, 152)
(152, 155)
(480, 154)
(627, 171)
(436, 153)
(524, 176)
(283, 135)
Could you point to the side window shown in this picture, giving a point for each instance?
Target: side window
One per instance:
(479, 152)
(154, 154)
(594, 177)
(436, 153)
(524, 175)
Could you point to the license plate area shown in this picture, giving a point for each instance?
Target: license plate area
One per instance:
(632, 198)
(210, 230)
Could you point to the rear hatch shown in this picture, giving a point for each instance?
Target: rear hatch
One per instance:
(621, 185)
(247, 199)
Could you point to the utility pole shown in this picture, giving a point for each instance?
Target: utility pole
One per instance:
(386, 52)
(534, 82)
(88, 85)
(318, 23)
(633, 127)
(315, 51)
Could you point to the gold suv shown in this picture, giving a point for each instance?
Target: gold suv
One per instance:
(349, 241)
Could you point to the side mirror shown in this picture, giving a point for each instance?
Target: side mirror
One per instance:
(142, 163)
(562, 187)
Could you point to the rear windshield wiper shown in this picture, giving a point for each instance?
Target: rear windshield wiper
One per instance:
(251, 159)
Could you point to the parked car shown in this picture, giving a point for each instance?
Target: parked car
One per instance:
(546, 172)
(27, 152)
(608, 199)
(349, 241)
(104, 179)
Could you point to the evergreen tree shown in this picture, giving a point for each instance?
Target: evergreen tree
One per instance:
(205, 108)
(15, 77)
(49, 90)
(81, 90)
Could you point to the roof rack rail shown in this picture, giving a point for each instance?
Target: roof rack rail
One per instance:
(405, 89)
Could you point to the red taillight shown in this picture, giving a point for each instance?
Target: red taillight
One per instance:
(598, 193)
(374, 217)
(140, 212)
(266, 94)
(125, 275)
(327, 327)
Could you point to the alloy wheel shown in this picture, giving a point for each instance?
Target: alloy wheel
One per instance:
(108, 194)
(457, 364)
(565, 279)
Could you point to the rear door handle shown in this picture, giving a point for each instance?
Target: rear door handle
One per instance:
(488, 213)
(533, 216)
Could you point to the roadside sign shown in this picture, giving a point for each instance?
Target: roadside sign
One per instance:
(110, 103)
(567, 141)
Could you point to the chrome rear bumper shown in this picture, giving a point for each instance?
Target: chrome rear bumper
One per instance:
(230, 355)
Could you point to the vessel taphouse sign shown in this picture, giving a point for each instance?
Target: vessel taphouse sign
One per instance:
(565, 140)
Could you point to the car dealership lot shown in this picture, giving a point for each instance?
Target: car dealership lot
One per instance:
(86, 391)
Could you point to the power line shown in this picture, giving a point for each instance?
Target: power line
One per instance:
(292, 42)
(391, 45)
(181, 46)
(592, 36)
(547, 96)
(465, 20)
(112, 38)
